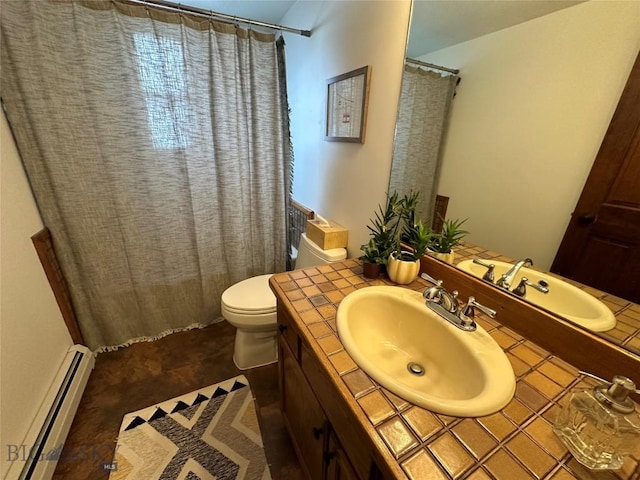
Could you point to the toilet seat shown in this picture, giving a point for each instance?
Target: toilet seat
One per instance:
(250, 297)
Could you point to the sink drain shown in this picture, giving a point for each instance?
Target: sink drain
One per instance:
(415, 368)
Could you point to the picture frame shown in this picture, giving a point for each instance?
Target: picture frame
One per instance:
(347, 98)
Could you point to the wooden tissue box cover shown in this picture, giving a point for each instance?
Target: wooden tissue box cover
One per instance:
(327, 237)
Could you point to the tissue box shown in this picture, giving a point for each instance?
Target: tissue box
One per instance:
(327, 236)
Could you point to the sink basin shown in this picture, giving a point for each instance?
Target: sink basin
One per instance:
(392, 335)
(563, 298)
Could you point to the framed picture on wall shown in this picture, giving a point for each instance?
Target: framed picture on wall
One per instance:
(347, 106)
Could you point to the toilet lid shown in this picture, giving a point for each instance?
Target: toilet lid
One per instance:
(250, 295)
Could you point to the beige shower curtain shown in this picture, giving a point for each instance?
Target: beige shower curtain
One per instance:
(154, 144)
(423, 112)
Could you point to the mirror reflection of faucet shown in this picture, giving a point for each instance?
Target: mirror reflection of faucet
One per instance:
(506, 280)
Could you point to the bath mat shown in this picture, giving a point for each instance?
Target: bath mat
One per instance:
(211, 433)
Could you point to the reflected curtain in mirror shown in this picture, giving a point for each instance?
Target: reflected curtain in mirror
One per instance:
(154, 143)
(423, 112)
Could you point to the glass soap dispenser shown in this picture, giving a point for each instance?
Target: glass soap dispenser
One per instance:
(600, 425)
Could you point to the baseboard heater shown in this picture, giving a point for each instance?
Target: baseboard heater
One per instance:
(44, 441)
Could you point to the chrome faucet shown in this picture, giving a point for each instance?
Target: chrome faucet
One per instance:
(506, 280)
(521, 289)
(446, 305)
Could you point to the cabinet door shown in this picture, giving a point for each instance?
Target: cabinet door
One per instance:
(338, 465)
(302, 414)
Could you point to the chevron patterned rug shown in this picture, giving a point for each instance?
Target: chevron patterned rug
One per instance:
(208, 434)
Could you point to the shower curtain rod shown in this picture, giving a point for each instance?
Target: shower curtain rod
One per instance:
(176, 7)
(455, 71)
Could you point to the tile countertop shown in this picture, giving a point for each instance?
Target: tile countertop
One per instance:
(516, 443)
(627, 330)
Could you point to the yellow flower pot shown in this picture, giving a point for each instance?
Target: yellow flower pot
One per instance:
(401, 271)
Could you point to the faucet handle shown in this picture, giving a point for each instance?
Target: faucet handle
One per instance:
(430, 279)
(521, 289)
(488, 276)
(468, 310)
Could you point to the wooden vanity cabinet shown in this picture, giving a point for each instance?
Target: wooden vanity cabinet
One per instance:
(308, 402)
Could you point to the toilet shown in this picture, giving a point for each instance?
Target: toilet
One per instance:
(250, 306)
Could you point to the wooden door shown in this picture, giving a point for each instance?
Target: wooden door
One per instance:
(601, 246)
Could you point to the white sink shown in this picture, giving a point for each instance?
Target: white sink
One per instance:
(386, 329)
(563, 298)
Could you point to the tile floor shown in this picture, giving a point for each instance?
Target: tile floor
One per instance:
(147, 373)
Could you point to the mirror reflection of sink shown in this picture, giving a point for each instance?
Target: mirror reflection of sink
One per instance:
(563, 298)
(408, 349)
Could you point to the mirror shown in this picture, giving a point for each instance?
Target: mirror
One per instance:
(525, 125)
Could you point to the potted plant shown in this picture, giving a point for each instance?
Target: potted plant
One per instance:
(377, 250)
(403, 264)
(442, 244)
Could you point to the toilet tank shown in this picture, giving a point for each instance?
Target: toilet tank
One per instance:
(310, 254)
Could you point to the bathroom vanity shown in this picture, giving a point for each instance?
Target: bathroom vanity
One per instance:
(344, 425)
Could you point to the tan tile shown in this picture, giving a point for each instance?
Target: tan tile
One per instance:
(451, 455)
(530, 397)
(315, 295)
(541, 431)
(294, 294)
(517, 412)
(318, 279)
(341, 283)
(355, 280)
(543, 384)
(565, 366)
(446, 419)
(536, 348)
(311, 271)
(332, 275)
(327, 311)
(399, 403)
(519, 366)
(531, 455)
(330, 344)
(288, 286)
(479, 474)
(563, 474)
(310, 316)
(526, 354)
(302, 305)
(397, 436)
(423, 422)
(421, 467)
(474, 437)
(358, 383)
(629, 468)
(319, 329)
(333, 324)
(556, 373)
(297, 274)
(342, 362)
(334, 296)
(325, 269)
(282, 278)
(304, 282)
(497, 425)
(376, 407)
(503, 467)
(502, 339)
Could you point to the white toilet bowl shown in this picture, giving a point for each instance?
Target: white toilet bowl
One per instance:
(250, 306)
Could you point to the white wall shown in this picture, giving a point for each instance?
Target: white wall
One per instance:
(342, 181)
(33, 337)
(529, 116)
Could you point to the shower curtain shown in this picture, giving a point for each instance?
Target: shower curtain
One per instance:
(423, 112)
(155, 144)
